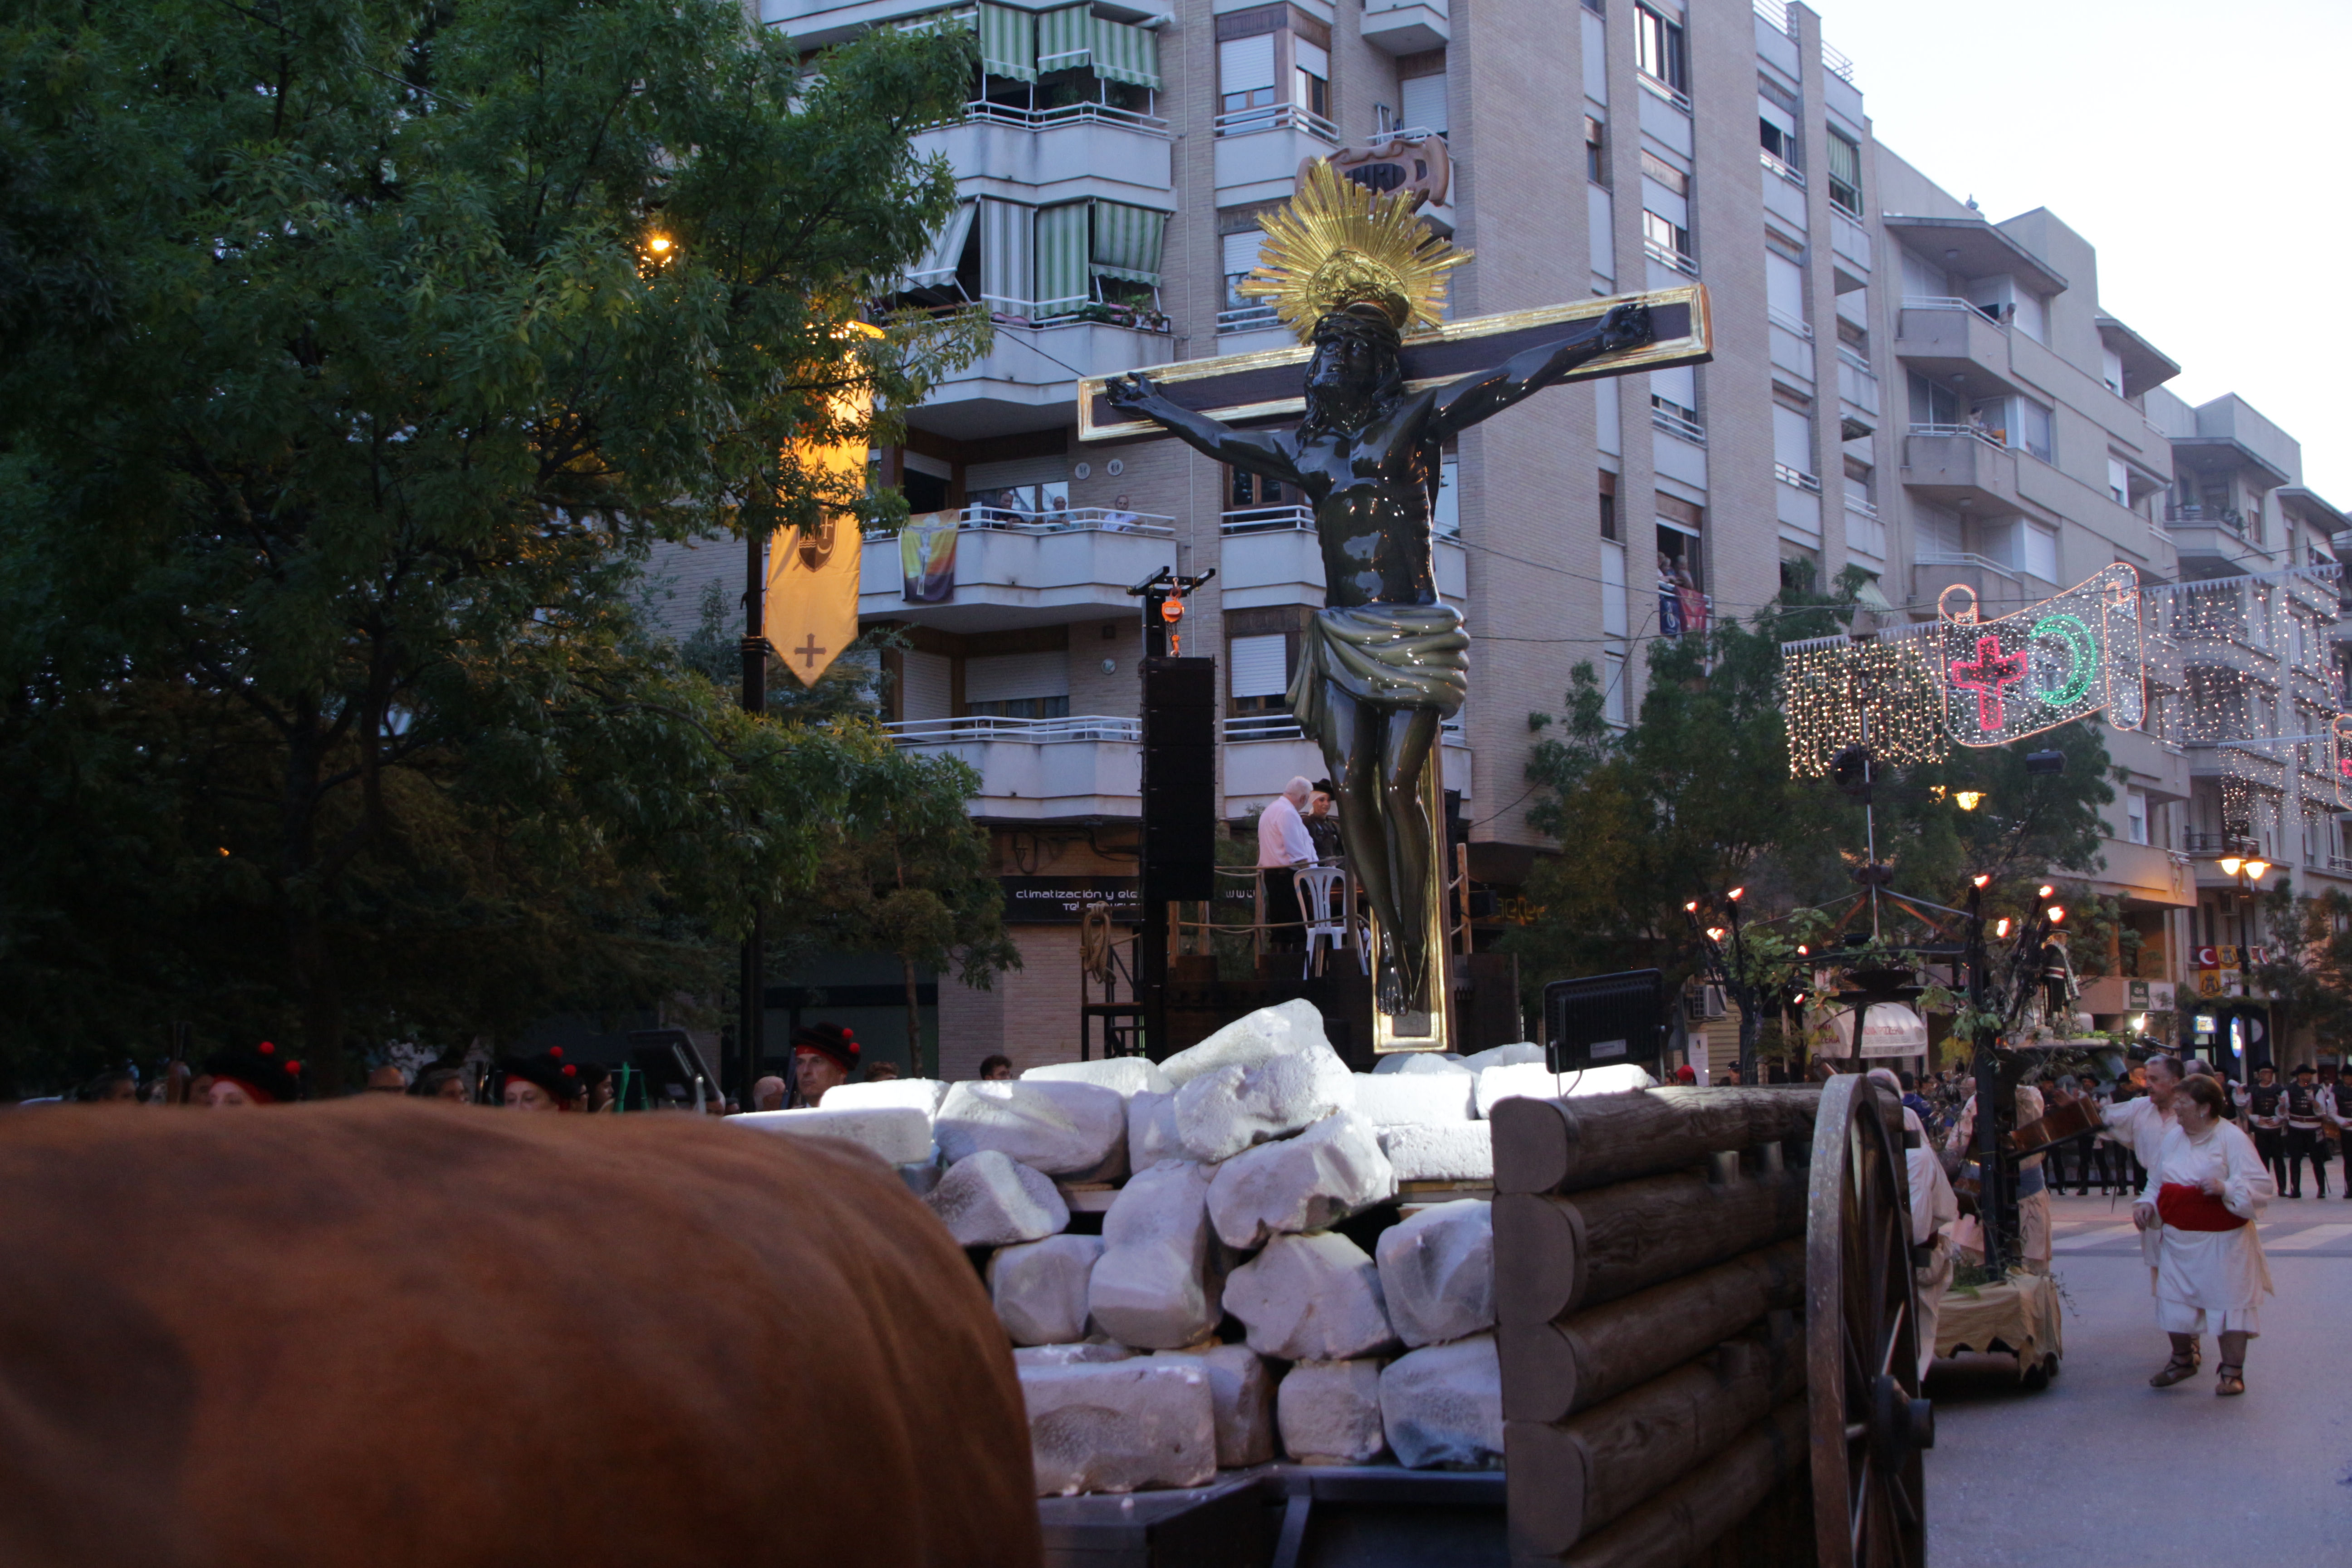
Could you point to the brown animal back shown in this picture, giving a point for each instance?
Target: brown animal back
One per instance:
(396, 1333)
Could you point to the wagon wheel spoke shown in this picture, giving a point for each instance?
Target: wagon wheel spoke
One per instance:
(1858, 1508)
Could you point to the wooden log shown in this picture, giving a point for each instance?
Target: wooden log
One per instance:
(1565, 1480)
(1566, 1146)
(1551, 1370)
(1556, 1255)
(1682, 1521)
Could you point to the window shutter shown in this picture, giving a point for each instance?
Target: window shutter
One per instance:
(1008, 43)
(1312, 59)
(1126, 53)
(1260, 665)
(1793, 439)
(1784, 286)
(1007, 254)
(1845, 160)
(1424, 99)
(928, 682)
(1241, 252)
(937, 269)
(1656, 199)
(1126, 242)
(1245, 64)
(1061, 261)
(1009, 677)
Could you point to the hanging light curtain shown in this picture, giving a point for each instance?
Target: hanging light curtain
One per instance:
(938, 268)
(1062, 259)
(1008, 43)
(1065, 41)
(1126, 53)
(1126, 242)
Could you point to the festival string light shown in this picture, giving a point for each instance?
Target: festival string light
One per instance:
(1837, 693)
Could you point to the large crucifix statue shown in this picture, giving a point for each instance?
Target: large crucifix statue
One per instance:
(1385, 662)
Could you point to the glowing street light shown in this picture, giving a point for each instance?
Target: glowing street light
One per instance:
(2254, 869)
(2002, 929)
(2056, 914)
(1983, 881)
(1969, 799)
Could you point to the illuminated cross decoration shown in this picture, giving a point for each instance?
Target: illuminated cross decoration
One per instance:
(809, 652)
(1985, 675)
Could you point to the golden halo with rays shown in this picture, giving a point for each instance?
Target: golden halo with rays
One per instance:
(1338, 243)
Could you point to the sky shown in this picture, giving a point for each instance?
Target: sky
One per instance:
(2204, 149)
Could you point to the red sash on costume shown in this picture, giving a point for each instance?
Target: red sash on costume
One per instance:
(2184, 1208)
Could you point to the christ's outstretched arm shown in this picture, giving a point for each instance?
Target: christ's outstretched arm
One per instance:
(1484, 394)
(1258, 452)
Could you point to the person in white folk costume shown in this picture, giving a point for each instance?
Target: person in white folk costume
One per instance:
(2032, 1186)
(2142, 1124)
(1935, 1209)
(2205, 1188)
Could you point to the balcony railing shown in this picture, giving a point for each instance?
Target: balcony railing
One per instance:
(1860, 508)
(1954, 558)
(1858, 361)
(1264, 726)
(2227, 517)
(1247, 318)
(1796, 477)
(1068, 114)
(1664, 256)
(1975, 431)
(1068, 520)
(1037, 731)
(1789, 323)
(1681, 425)
(1783, 168)
(1267, 520)
(1653, 85)
(1275, 117)
(2197, 842)
(1996, 314)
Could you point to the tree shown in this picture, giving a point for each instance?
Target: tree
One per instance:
(350, 360)
(2306, 972)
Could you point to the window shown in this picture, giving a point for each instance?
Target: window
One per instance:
(1246, 491)
(1612, 589)
(2032, 429)
(1675, 392)
(1932, 404)
(1241, 254)
(1445, 511)
(1018, 685)
(1310, 77)
(1658, 49)
(1612, 687)
(1596, 153)
(1792, 447)
(1784, 292)
(2110, 370)
(1245, 75)
(1260, 667)
(2038, 552)
(1776, 129)
(1845, 174)
(1665, 213)
(2119, 480)
(1608, 504)
(1423, 100)
(1668, 241)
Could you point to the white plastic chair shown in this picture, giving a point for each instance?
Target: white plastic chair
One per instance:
(1330, 917)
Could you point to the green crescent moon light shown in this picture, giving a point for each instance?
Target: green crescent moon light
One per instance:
(2081, 646)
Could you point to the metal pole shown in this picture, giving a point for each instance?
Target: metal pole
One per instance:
(751, 1015)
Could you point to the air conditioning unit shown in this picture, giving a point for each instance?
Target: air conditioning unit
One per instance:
(1704, 1003)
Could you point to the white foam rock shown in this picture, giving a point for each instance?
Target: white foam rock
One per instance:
(1232, 1108)
(901, 1135)
(1516, 1055)
(1127, 1076)
(1287, 1029)
(1437, 1272)
(922, 1094)
(1443, 1406)
(1152, 1287)
(1329, 1411)
(1419, 1061)
(1039, 1288)
(1083, 1354)
(1532, 1080)
(1459, 1152)
(1242, 1392)
(1416, 1099)
(1151, 1131)
(1311, 1182)
(991, 1201)
(1310, 1297)
(1057, 1128)
(1119, 1427)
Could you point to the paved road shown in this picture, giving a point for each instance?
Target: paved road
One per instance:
(2101, 1469)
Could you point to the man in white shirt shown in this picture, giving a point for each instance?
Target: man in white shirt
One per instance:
(1282, 845)
(2142, 1124)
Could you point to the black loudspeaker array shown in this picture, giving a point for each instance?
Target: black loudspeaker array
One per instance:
(1179, 779)
(1604, 1019)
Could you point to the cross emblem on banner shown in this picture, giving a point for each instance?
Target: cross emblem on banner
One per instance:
(1986, 675)
(808, 652)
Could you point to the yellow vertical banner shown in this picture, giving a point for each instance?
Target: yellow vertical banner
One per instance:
(810, 615)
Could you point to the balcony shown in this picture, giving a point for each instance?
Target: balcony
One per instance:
(1947, 338)
(1258, 152)
(1026, 381)
(1087, 765)
(1270, 556)
(1040, 156)
(814, 24)
(1012, 569)
(1410, 27)
(1961, 465)
(1264, 752)
(1857, 395)
(2213, 541)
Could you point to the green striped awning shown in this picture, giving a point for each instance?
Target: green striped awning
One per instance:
(1008, 43)
(1062, 259)
(1065, 40)
(937, 267)
(1126, 53)
(1126, 242)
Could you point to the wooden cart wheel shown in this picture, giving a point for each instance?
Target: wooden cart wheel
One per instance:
(1869, 1424)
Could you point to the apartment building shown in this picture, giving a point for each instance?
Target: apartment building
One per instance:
(1900, 384)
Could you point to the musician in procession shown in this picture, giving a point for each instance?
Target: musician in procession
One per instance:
(2206, 1186)
(2304, 1137)
(2335, 1104)
(2263, 1101)
(2032, 1182)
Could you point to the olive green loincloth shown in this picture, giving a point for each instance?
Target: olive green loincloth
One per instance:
(1391, 655)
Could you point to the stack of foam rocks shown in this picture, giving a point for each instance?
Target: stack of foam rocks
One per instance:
(1650, 1273)
(1242, 1254)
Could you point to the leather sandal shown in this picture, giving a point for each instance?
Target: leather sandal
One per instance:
(2176, 1370)
(2231, 1381)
